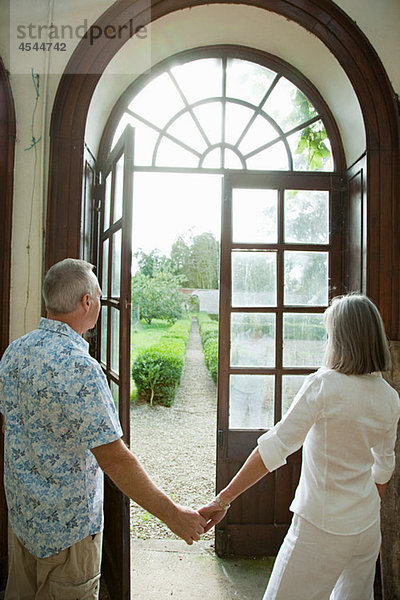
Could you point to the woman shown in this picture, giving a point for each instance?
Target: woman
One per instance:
(345, 416)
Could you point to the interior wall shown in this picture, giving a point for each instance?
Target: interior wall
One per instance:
(169, 35)
(33, 113)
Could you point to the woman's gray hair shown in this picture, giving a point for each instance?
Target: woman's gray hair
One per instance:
(357, 342)
(66, 283)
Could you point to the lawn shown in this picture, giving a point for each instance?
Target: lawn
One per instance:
(143, 334)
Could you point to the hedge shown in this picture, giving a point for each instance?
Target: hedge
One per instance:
(180, 331)
(157, 370)
(210, 349)
(208, 329)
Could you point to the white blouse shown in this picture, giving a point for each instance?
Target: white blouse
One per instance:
(347, 425)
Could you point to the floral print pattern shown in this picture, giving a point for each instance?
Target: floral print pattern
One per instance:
(57, 406)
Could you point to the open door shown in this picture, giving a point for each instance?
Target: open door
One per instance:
(280, 261)
(114, 343)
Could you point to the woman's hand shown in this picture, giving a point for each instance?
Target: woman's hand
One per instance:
(212, 513)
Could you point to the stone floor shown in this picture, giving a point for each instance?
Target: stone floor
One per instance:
(169, 569)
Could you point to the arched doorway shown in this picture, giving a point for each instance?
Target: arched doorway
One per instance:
(374, 180)
(7, 142)
(257, 123)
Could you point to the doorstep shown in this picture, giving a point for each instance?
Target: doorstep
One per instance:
(172, 570)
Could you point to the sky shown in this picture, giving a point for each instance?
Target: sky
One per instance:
(167, 205)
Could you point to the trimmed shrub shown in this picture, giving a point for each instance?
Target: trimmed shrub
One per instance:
(157, 371)
(208, 333)
(179, 331)
(209, 340)
(210, 350)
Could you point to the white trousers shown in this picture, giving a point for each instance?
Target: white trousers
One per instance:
(315, 565)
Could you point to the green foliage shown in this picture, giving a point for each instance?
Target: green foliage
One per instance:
(209, 331)
(210, 349)
(158, 369)
(151, 263)
(311, 142)
(209, 340)
(197, 261)
(179, 331)
(158, 297)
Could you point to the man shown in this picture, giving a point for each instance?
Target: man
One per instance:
(61, 432)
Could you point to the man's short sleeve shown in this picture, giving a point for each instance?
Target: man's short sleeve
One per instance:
(89, 407)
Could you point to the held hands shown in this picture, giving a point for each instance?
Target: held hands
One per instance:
(213, 513)
(188, 524)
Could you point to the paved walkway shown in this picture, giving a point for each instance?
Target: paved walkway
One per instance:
(177, 446)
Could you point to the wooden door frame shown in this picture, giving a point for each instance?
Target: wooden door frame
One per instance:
(7, 145)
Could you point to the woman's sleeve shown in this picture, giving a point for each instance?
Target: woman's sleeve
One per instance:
(383, 453)
(289, 434)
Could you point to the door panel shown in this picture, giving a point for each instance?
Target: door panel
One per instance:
(114, 344)
(279, 253)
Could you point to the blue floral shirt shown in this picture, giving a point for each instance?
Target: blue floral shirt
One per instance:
(57, 406)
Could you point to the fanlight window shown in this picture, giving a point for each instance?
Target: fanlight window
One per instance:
(226, 113)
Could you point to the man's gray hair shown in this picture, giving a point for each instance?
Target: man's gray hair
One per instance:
(66, 283)
(357, 342)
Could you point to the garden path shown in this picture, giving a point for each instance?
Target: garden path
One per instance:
(177, 444)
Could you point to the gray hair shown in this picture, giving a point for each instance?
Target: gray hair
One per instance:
(357, 343)
(66, 283)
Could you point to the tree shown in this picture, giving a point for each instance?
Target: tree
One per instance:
(197, 261)
(158, 297)
(204, 261)
(180, 260)
(149, 264)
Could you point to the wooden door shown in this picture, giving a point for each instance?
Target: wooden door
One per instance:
(280, 263)
(114, 343)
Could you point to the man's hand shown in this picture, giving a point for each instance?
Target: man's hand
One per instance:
(212, 513)
(188, 524)
(129, 475)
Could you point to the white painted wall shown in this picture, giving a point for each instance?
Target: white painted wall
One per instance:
(184, 29)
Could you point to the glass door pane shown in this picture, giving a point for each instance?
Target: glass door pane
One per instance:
(254, 278)
(277, 256)
(304, 339)
(252, 340)
(251, 402)
(114, 341)
(255, 216)
(115, 272)
(306, 278)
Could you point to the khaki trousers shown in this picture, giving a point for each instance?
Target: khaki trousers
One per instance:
(72, 574)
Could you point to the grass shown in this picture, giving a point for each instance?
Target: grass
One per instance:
(143, 335)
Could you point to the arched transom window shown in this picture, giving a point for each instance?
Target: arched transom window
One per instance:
(225, 113)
